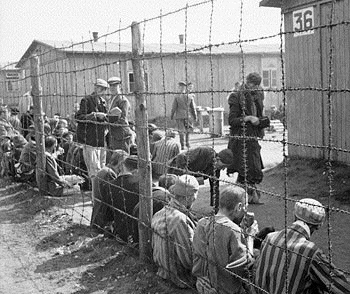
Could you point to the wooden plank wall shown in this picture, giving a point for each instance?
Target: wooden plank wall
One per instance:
(68, 78)
(307, 65)
(340, 79)
(304, 107)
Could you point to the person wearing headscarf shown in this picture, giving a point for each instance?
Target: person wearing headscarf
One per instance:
(247, 124)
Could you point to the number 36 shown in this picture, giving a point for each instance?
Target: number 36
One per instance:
(303, 20)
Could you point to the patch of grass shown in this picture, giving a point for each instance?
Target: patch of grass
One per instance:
(311, 178)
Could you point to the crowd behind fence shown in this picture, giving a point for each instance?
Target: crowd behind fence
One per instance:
(127, 197)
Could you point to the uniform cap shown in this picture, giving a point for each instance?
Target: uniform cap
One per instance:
(114, 80)
(101, 83)
(185, 185)
(115, 111)
(310, 211)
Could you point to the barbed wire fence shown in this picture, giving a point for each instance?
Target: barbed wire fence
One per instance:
(59, 77)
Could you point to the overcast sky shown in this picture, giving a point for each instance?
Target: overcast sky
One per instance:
(22, 21)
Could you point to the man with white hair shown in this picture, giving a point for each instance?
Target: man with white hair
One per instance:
(305, 269)
(91, 129)
(173, 232)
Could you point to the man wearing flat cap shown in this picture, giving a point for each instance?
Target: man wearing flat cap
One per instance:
(173, 231)
(119, 133)
(118, 99)
(91, 128)
(203, 161)
(308, 268)
(184, 111)
(246, 120)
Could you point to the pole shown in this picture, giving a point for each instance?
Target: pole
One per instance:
(143, 150)
(38, 123)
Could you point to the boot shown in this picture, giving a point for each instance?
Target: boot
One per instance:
(182, 140)
(188, 141)
(254, 196)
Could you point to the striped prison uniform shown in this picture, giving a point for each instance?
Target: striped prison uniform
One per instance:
(308, 268)
(220, 256)
(172, 244)
(163, 151)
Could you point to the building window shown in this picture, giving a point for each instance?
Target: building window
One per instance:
(269, 78)
(132, 82)
(12, 86)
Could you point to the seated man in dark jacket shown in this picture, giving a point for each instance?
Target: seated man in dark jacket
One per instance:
(102, 211)
(203, 161)
(125, 197)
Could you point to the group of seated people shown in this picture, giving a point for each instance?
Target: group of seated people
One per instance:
(214, 254)
(64, 160)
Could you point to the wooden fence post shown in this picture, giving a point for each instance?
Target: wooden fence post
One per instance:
(143, 150)
(38, 123)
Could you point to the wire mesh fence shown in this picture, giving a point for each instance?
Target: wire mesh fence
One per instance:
(135, 130)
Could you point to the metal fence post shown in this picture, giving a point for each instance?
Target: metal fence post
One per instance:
(141, 119)
(38, 123)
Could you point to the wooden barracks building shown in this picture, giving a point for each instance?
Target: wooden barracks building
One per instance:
(315, 54)
(68, 71)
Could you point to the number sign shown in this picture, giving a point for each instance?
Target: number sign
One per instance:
(303, 21)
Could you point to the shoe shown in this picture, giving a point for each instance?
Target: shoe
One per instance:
(254, 197)
(256, 202)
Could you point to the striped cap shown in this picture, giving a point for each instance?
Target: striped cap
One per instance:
(310, 211)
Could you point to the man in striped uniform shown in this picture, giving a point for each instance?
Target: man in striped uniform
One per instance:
(173, 231)
(164, 150)
(223, 249)
(306, 269)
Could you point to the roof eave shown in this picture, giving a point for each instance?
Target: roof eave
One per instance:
(271, 3)
(29, 51)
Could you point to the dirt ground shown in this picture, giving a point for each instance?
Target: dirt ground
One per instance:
(46, 245)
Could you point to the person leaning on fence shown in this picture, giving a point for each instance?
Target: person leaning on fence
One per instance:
(102, 211)
(91, 129)
(223, 246)
(203, 161)
(183, 111)
(161, 197)
(163, 151)
(309, 270)
(173, 231)
(125, 197)
(246, 119)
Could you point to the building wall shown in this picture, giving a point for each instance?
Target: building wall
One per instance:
(10, 86)
(67, 78)
(308, 73)
(219, 73)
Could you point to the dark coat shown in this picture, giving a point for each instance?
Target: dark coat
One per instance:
(125, 197)
(90, 130)
(243, 103)
(198, 161)
(102, 212)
